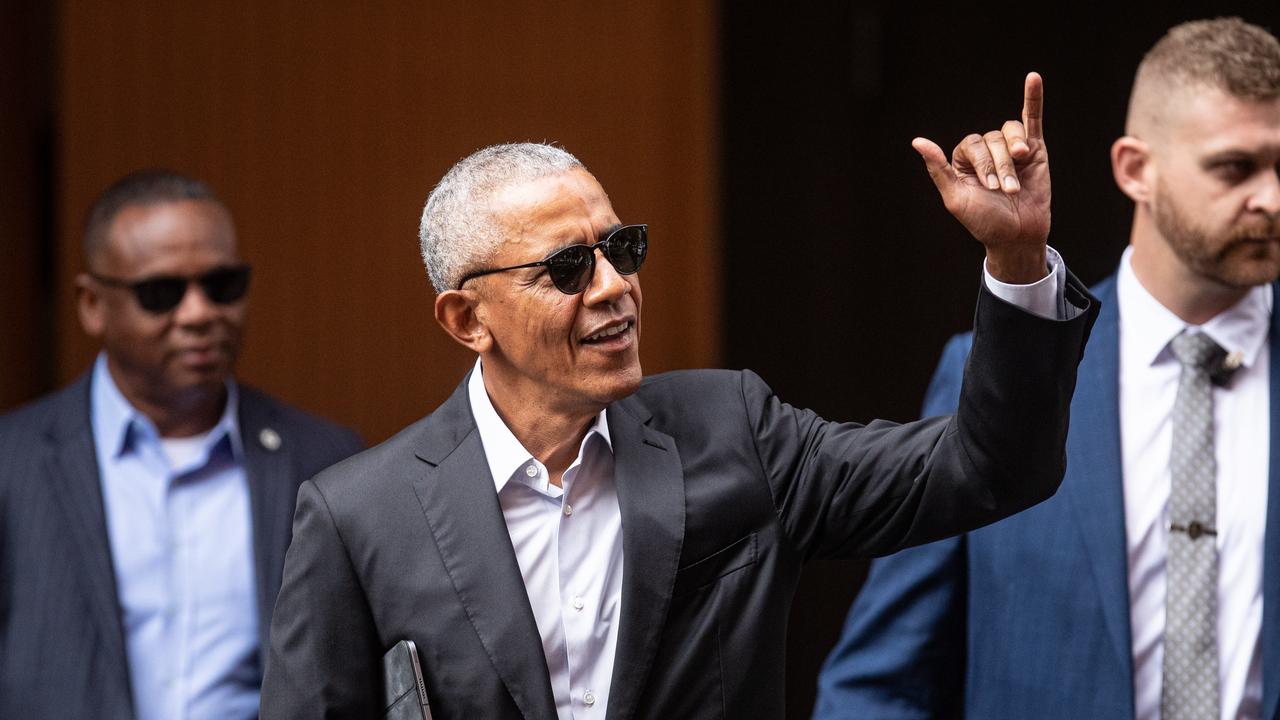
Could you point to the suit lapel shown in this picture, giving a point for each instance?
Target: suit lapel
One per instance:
(1095, 485)
(462, 510)
(72, 465)
(269, 473)
(650, 483)
(1096, 491)
(1271, 540)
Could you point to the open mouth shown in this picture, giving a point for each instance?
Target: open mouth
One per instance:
(609, 332)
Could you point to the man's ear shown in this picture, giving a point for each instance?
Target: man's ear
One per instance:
(90, 306)
(456, 313)
(1133, 168)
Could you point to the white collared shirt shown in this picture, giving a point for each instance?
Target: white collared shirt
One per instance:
(568, 544)
(1241, 418)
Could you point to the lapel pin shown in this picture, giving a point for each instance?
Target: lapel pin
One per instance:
(270, 439)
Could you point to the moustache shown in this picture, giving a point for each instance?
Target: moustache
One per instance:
(1262, 230)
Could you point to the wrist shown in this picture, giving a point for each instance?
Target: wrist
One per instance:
(1021, 266)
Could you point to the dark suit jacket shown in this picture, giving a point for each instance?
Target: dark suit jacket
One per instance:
(62, 649)
(1027, 618)
(724, 491)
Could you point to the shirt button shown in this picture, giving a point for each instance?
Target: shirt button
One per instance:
(577, 603)
(531, 471)
(589, 698)
(568, 509)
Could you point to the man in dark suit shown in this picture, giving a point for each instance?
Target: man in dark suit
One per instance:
(1066, 610)
(563, 538)
(145, 509)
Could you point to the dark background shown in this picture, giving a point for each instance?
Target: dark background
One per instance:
(771, 144)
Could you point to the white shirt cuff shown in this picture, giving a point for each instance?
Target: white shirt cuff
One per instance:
(1045, 297)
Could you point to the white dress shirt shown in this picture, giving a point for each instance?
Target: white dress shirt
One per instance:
(568, 541)
(1241, 418)
(568, 544)
(1045, 297)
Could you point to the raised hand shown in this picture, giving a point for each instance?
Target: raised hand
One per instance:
(997, 186)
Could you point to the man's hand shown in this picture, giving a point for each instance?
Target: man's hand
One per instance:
(997, 186)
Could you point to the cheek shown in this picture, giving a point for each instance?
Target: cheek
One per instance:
(140, 338)
(545, 326)
(1213, 206)
(234, 318)
(130, 323)
(638, 298)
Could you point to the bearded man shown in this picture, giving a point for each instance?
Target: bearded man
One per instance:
(1149, 586)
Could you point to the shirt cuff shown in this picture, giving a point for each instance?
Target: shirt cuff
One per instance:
(1045, 297)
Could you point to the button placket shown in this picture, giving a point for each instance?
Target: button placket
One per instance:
(571, 622)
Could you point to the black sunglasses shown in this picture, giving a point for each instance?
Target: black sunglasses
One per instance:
(571, 268)
(161, 293)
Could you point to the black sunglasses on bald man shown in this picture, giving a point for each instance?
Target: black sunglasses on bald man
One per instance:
(161, 293)
(572, 268)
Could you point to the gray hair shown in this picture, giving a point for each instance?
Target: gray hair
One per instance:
(458, 229)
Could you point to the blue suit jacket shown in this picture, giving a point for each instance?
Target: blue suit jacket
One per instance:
(1028, 617)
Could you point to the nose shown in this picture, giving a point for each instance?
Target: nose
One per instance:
(606, 285)
(196, 308)
(1267, 197)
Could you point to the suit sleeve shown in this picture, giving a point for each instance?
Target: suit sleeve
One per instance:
(845, 489)
(902, 653)
(325, 653)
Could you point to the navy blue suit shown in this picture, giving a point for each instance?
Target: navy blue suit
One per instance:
(62, 641)
(1029, 617)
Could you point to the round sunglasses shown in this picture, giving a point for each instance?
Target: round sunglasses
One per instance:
(572, 268)
(161, 293)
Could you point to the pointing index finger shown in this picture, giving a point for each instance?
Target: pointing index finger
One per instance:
(1033, 106)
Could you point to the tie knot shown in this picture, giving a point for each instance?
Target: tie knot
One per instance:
(1194, 349)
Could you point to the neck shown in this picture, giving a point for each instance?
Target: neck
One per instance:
(1194, 298)
(552, 434)
(175, 415)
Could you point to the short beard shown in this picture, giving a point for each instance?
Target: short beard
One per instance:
(1234, 258)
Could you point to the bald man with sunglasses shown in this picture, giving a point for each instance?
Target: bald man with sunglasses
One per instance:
(145, 509)
(564, 538)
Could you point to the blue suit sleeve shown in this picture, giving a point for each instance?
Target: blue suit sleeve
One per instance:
(902, 653)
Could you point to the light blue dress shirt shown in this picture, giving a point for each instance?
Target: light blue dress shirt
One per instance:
(182, 549)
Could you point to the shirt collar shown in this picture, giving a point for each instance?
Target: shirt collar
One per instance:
(118, 425)
(503, 451)
(1242, 328)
